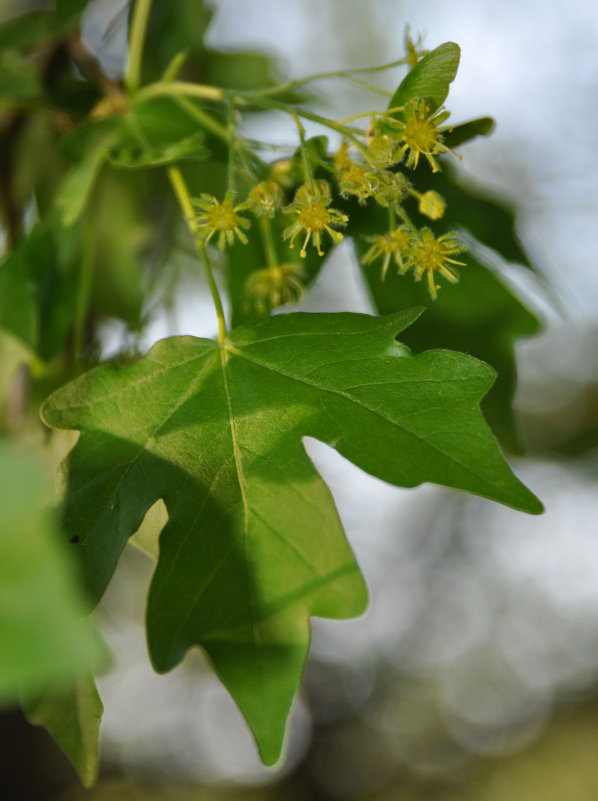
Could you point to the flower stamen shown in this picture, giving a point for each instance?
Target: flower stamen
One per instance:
(387, 246)
(428, 254)
(220, 218)
(314, 217)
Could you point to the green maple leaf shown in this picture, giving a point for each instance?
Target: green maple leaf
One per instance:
(253, 545)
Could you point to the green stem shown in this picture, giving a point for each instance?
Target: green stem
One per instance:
(242, 146)
(214, 291)
(346, 74)
(180, 88)
(136, 40)
(266, 229)
(307, 173)
(371, 87)
(200, 116)
(84, 286)
(174, 66)
(403, 215)
(231, 146)
(348, 133)
(182, 195)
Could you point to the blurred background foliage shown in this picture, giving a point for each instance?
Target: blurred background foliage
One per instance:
(473, 676)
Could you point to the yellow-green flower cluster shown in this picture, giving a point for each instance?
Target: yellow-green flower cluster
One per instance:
(265, 198)
(422, 251)
(374, 169)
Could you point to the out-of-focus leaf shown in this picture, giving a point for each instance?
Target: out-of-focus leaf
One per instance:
(39, 279)
(13, 355)
(67, 12)
(160, 122)
(74, 193)
(466, 131)
(72, 716)
(18, 307)
(430, 78)
(25, 30)
(44, 640)
(18, 78)
(316, 149)
(253, 545)
(120, 233)
(174, 27)
(189, 149)
(37, 292)
(178, 26)
(243, 71)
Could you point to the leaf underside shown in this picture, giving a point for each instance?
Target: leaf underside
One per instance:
(253, 545)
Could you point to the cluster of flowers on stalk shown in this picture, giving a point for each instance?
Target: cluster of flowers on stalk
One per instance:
(371, 169)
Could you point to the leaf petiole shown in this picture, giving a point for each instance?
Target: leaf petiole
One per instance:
(184, 199)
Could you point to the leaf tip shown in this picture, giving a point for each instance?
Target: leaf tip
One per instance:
(270, 754)
(535, 505)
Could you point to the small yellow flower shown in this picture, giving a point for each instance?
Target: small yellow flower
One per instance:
(392, 188)
(420, 135)
(319, 190)
(382, 148)
(220, 218)
(358, 181)
(314, 217)
(265, 198)
(428, 254)
(275, 286)
(387, 246)
(282, 172)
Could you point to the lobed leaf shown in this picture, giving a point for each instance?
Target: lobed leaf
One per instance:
(253, 545)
